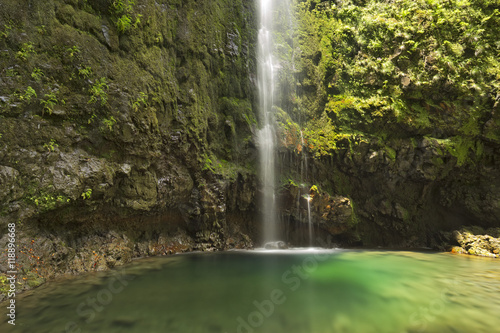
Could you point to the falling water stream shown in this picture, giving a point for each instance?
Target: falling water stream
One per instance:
(266, 135)
(309, 220)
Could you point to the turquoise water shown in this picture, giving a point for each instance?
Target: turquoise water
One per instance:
(334, 291)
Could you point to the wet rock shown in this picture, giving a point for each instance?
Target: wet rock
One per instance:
(471, 242)
(9, 187)
(139, 190)
(331, 215)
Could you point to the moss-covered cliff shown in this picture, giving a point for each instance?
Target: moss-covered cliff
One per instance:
(125, 129)
(395, 104)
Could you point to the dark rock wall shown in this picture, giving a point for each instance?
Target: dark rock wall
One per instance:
(125, 129)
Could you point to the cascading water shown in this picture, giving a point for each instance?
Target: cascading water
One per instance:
(309, 220)
(266, 135)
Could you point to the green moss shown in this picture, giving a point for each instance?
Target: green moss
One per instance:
(378, 66)
(390, 152)
(437, 161)
(466, 150)
(354, 217)
(341, 182)
(34, 280)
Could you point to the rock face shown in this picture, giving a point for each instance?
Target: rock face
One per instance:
(403, 197)
(368, 115)
(332, 218)
(125, 131)
(406, 199)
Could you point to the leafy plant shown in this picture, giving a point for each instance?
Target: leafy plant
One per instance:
(28, 95)
(207, 164)
(4, 285)
(92, 118)
(123, 10)
(123, 6)
(51, 146)
(49, 101)
(73, 51)
(98, 91)
(85, 71)
(87, 194)
(37, 74)
(25, 51)
(124, 23)
(42, 29)
(109, 122)
(142, 99)
(10, 72)
(48, 201)
(6, 30)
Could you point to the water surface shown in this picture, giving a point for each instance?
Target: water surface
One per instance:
(327, 291)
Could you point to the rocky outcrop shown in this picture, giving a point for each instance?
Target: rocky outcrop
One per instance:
(405, 192)
(331, 216)
(393, 193)
(476, 241)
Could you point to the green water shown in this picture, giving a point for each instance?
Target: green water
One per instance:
(288, 291)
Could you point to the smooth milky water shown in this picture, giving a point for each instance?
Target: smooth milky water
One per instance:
(309, 291)
(266, 135)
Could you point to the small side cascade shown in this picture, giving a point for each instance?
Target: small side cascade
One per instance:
(303, 171)
(309, 219)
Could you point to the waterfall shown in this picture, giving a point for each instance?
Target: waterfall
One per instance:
(266, 135)
(309, 220)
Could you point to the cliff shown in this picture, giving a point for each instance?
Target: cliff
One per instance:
(395, 105)
(125, 130)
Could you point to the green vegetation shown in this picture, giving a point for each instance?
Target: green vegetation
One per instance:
(28, 95)
(51, 146)
(124, 13)
(47, 201)
(379, 69)
(87, 194)
(108, 123)
(98, 91)
(4, 32)
(25, 50)
(37, 74)
(4, 284)
(48, 102)
(85, 72)
(141, 100)
(170, 88)
(73, 51)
